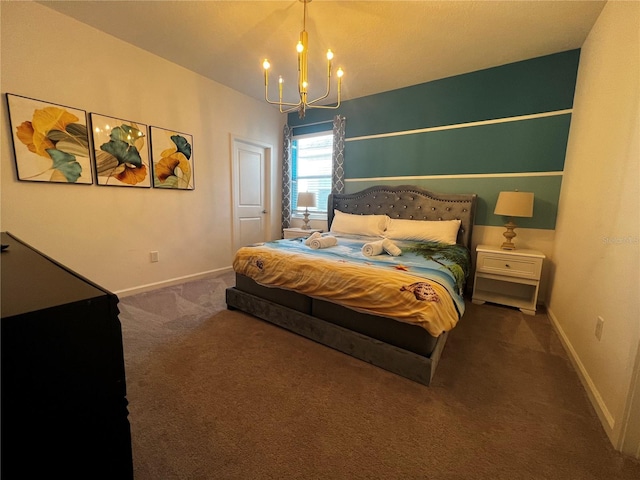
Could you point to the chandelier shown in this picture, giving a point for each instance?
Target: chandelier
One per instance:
(303, 82)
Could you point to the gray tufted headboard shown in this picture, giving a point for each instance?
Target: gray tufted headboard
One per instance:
(410, 203)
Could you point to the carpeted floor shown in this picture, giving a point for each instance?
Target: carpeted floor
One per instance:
(217, 394)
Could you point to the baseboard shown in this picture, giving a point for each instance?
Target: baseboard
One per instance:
(172, 281)
(607, 420)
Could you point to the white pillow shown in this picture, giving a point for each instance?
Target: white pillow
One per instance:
(370, 225)
(443, 231)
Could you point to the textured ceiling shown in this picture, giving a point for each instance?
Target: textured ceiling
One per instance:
(381, 45)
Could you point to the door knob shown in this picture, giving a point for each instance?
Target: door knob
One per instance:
(264, 211)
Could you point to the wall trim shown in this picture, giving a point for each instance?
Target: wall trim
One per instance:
(172, 281)
(630, 438)
(462, 125)
(464, 175)
(607, 420)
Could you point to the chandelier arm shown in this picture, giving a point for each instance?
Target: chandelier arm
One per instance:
(289, 110)
(280, 103)
(319, 98)
(285, 104)
(322, 97)
(328, 85)
(328, 107)
(311, 104)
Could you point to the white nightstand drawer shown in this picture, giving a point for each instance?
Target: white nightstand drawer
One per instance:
(509, 265)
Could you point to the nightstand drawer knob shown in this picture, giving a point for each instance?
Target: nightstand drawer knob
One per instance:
(507, 265)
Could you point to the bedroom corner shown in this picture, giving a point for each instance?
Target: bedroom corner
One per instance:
(599, 252)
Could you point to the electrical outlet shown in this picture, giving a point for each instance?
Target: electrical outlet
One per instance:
(154, 257)
(599, 327)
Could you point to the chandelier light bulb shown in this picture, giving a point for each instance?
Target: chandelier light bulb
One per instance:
(266, 64)
(305, 84)
(340, 72)
(329, 55)
(280, 79)
(300, 47)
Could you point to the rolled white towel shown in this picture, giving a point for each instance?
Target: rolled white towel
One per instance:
(371, 249)
(391, 248)
(323, 242)
(311, 237)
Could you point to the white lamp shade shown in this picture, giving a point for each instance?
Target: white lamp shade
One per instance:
(515, 204)
(306, 199)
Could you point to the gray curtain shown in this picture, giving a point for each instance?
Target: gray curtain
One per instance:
(337, 181)
(286, 176)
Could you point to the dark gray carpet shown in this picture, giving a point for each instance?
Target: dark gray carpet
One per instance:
(217, 394)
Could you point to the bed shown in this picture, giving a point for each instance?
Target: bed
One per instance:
(403, 330)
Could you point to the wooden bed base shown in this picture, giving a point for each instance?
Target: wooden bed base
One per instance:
(386, 347)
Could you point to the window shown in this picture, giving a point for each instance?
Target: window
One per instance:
(311, 169)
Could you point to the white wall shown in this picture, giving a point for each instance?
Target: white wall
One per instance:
(106, 233)
(597, 239)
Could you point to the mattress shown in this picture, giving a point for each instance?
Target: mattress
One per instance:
(423, 286)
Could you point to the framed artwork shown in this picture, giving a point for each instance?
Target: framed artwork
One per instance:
(172, 158)
(50, 141)
(120, 152)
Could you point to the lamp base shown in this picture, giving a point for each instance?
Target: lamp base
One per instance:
(306, 225)
(509, 235)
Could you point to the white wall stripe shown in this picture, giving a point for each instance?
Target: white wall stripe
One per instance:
(464, 175)
(462, 125)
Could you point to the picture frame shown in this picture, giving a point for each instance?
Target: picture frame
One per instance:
(172, 159)
(120, 152)
(50, 141)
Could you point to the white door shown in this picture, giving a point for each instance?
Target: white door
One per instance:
(250, 170)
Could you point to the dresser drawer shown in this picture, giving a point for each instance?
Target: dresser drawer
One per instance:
(511, 265)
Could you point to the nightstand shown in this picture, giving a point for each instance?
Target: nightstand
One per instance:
(299, 232)
(508, 277)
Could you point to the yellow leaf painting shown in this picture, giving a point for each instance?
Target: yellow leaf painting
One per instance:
(172, 154)
(25, 133)
(55, 139)
(45, 120)
(132, 175)
(167, 165)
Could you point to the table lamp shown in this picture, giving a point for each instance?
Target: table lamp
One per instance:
(513, 204)
(306, 200)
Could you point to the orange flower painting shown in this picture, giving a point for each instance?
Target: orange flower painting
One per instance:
(121, 152)
(172, 155)
(51, 142)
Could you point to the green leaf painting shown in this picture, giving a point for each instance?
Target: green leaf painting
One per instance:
(121, 152)
(66, 164)
(182, 145)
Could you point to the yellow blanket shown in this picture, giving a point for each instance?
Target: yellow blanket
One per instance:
(386, 290)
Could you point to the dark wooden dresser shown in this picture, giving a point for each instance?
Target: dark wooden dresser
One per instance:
(64, 406)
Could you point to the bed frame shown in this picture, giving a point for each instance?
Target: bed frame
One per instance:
(405, 349)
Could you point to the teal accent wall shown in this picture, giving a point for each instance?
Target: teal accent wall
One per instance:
(537, 145)
(526, 154)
